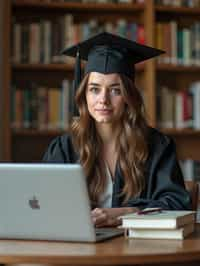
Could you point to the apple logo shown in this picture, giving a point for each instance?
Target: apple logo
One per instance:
(34, 203)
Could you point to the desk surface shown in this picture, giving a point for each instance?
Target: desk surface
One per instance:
(118, 251)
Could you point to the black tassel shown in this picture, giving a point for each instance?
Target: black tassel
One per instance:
(77, 78)
(77, 74)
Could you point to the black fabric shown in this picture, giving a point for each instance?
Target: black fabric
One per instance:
(107, 53)
(135, 52)
(105, 59)
(164, 180)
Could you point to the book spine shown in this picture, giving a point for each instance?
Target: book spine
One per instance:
(17, 43)
(42, 95)
(174, 29)
(65, 115)
(18, 109)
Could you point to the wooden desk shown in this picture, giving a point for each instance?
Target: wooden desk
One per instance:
(118, 251)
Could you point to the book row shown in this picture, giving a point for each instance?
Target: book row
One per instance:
(175, 109)
(178, 3)
(179, 109)
(42, 41)
(190, 169)
(182, 45)
(42, 108)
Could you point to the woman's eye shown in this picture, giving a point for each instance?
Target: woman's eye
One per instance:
(115, 91)
(94, 89)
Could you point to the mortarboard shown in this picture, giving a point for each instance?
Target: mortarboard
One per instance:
(107, 53)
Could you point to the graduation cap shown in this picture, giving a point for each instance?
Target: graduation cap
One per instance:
(107, 53)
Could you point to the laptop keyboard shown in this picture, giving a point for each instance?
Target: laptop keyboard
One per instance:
(103, 231)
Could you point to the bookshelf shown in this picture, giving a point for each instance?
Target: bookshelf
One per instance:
(181, 74)
(1, 79)
(20, 144)
(5, 141)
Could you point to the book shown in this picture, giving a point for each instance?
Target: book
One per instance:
(160, 220)
(194, 89)
(179, 233)
(54, 108)
(166, 104)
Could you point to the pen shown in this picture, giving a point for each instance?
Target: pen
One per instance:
(150, 210)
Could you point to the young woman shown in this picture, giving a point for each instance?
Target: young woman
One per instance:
(128, 165)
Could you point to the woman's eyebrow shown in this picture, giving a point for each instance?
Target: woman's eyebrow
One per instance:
(97, 84)
(93, 84)
(114, 85)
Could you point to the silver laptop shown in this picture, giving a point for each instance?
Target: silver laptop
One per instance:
(47, 201)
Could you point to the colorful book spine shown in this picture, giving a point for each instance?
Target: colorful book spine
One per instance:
(42, 41)
(182, 44)
(179, 109)
(40, 107)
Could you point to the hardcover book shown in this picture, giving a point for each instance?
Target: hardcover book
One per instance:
(162, 220)
(179, 233)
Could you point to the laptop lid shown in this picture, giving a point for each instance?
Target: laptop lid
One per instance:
(46, 201)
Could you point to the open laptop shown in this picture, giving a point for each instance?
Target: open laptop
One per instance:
(47, 201)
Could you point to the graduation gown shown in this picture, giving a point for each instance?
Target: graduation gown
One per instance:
(164, 181)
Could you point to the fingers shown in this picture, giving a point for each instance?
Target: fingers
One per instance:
(99, 217)
(104, 217)
(109, 216)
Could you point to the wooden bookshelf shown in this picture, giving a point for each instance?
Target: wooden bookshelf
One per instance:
(36, 133)
(177, 69)
(53, 67)
(147, 14)
(108, 12)
(177, 10)
(5, 142)
(94, 7)
(186, 132)
(42, 67)
(179, 77)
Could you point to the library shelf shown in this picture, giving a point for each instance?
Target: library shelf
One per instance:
(182, 132)
(177, 68)
(83, 7)
(177, 10)
(54, 67)
(147, 14)
(43, 67)
(37, 133)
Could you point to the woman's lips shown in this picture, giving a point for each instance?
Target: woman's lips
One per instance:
(104, 111)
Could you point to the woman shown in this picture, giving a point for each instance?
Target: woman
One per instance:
(129, 166)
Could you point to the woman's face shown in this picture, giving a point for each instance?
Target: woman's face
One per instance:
(104, 97)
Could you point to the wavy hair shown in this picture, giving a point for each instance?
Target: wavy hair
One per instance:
(132, 148)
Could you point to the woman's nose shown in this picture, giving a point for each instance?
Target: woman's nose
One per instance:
(104, 97)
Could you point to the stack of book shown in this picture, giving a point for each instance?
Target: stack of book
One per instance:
(159, 224)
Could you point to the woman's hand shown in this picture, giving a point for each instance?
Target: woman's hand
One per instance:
(102, 217)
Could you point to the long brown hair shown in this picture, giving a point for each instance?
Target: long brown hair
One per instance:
(132, 148)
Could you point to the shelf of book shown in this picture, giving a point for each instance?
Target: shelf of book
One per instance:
(177, 31)
(176, 75)
(29, 70)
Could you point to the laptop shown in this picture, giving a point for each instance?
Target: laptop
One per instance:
(47, 202)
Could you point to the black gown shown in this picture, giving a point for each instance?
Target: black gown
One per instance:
(164, 181)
